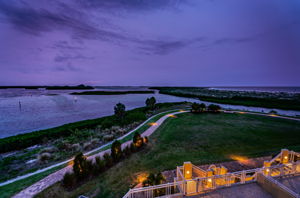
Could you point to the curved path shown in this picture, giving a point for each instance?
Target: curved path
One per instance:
(58, 175)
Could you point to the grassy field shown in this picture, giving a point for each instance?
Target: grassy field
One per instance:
(199, 138)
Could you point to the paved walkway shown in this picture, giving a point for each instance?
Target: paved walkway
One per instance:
(58, 176)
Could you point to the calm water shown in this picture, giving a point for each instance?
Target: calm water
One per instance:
(39, 110)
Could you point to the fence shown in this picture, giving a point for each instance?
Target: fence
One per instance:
(202, 184)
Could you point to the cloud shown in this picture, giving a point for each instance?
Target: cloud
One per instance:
(68, 18)
(136, 5)
(36, 21)
(64, 58)
(64, 45)
(163, 47)
(67, 67)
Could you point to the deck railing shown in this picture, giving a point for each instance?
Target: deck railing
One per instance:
(198, 185)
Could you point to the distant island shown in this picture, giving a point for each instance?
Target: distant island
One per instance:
(69, 87)
(80, 87)
(111, 92)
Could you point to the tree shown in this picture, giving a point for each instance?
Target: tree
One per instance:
(202, 107)
(116, 151)
(120, 111)
(273, 112)
(214, 108)
(80, 166)
(150, 103)
(155, 179)
(195, 107)
(137, 140)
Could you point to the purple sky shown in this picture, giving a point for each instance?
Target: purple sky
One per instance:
(150, 42)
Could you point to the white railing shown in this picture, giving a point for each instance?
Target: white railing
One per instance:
(283, 187)
(204, 184)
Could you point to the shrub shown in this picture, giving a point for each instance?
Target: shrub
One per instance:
(137, 140)
(195, 107)
(80, 168)
(146, 140)
(44, 157)
(87, 146)
(95, 141)
(76, 147)
(214, 108)
(99, 165)
(116, 151)
(108, 160)
(49, 150)
(127, 151)
(69, 180)
(108, 137)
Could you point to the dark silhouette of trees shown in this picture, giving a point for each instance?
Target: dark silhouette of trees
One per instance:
(214, 108)
(202, 107)
(120, 111)
(196, 107)
(80, 168)
(116, 151)
(150, 103)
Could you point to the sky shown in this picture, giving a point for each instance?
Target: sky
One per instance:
(150, 42)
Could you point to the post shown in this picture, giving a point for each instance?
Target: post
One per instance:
(187, 170)
(284, 156)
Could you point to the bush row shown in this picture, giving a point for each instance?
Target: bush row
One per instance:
(84, 169)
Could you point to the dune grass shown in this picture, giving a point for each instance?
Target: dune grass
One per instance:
(199, 138)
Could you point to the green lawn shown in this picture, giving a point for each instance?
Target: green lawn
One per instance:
(201, 139)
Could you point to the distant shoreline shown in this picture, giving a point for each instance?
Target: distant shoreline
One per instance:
(111, 92)
(78, 87)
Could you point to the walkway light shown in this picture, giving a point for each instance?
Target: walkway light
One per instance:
(209, 180)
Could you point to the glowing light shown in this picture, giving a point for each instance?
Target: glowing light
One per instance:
(242, 159)
(181, 110)
(268, 170)
(153, 124)
(141, 177)
(172, 116)
(209, 180)
(273, 115)
(241, 112)
(187, 172)
(285, 157)
(70, 163)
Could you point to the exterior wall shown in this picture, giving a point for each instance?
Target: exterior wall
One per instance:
(275, 188)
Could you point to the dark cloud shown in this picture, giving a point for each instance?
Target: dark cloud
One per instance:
(64, 45)
(67, 67)
(137, 5)
(222, 41)
(64, 58)
(37, 21)
(163, 47)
